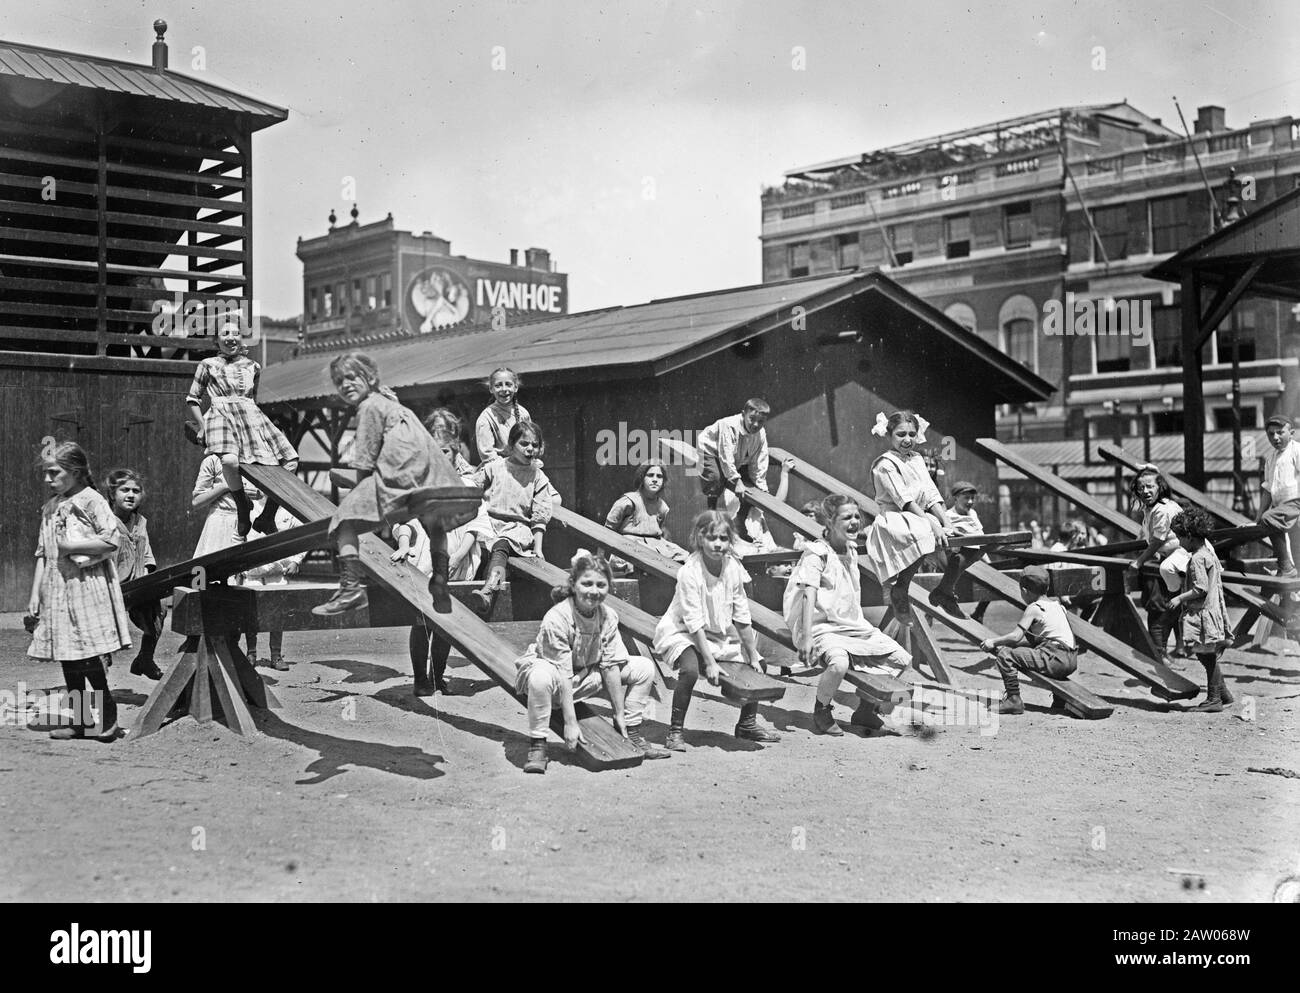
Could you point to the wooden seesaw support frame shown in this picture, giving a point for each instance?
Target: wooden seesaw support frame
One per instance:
(1114, 518)
(605, 748)
(1160, 678)
(877, 691)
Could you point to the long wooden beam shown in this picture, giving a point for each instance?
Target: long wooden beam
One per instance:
(1179, 488)
(605, 748)
(1160, 678)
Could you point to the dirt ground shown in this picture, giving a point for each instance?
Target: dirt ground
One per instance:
(356, 790)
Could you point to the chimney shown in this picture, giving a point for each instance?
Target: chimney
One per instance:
(538, 258)
(514, 256)
(1210, 119)
(159, 46)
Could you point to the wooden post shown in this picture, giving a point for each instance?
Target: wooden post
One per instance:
(1193, 396)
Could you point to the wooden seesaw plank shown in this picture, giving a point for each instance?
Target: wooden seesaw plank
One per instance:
(1160, 678)
(226, 562)
(1179, 488)
(605, 747)
(739, 682)
(879, 691)
(1078, 699)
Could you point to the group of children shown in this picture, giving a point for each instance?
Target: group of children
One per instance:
(450, 519)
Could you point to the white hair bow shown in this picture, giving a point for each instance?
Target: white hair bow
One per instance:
(881, 427)
(580, 555)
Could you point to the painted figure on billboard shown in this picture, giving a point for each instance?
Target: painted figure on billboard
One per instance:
(441, 298)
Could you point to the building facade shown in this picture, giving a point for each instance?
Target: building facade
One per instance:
(371, 282)
(1038, 232)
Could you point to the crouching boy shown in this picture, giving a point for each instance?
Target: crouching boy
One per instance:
(1042, 641)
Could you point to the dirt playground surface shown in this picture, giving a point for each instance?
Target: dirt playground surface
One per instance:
(358, 791)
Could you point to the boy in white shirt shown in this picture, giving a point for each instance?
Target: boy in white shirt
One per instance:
(1042, 641)
(1279, 505)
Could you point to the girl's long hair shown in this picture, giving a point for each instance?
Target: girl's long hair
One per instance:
(1163, 492)
(71, 457)
(359, 364)
(710, 520)
(119, 476)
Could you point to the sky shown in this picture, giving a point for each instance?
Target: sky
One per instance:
(633, 139)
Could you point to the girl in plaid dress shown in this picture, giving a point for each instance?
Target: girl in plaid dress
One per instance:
(404, 474)
(1206, 627)
(234, 427)
(81, 619)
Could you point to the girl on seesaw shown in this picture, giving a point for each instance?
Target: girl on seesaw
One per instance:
(1151, 491)
(709, 610)
(519, 507)
(639, 514)
(80, 617)
(402, 473)
(912, 520)
(492, 429)
(1205, 615)
(823, 608)
(234, 428)
(577, 653)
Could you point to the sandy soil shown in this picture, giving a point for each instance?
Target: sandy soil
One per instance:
(356, 790)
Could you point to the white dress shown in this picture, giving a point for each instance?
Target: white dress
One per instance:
(708, 603)
(897, 538)
(219, 526)
(837, 618)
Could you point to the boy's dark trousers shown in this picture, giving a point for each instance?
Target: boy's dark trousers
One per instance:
(713, 482)
(1049, 657)
(75, 676)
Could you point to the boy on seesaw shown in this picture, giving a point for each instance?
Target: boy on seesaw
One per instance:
(1042, 641)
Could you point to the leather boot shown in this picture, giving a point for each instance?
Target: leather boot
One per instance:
(942, 595)
(438, 591)
(824, 721)
(648, 750)
(243, 512)
(536, 756)
(351, 594)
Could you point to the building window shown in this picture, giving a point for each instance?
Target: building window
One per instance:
(900, 238)
(386, 284)
(1114, 353)
(312, 303)
(1018, 341)
(1020, 225)
(329, 301)
(371, 301)
(848, 200)
(1167, 422)
(356, 295)
(1167, 336)
(1244, 320)
(957, 235)
(1223, 418)
(342, 297)
(798, 210)
(963, 314)
(1017, 327)
(1112, 228)
(797, 259)
(1169, 224)
(848, 251)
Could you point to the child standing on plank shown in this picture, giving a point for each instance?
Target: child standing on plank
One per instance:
(273, 574)
(708, 622)
(639, 514)
(234, 428)
(733, 453)
(519, 507)
(1041, 642)
(1151, 490)
(912, 520)
(125, 491)
(402, 473)
(426, 649)
(1205, 615)
(81, 619)
(578, 652)
(492, 430)
(823, 607)
(1279, 505)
